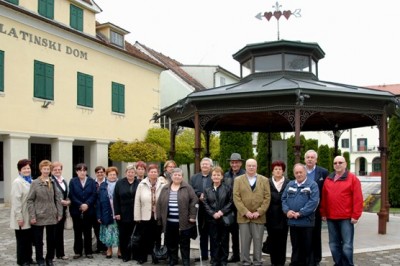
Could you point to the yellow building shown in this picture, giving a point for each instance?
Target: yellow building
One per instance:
(69, 86)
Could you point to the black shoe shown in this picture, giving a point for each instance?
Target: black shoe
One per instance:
(49, 263)
(202, 259)
(141, 261)
(234, 259)
(89, 256)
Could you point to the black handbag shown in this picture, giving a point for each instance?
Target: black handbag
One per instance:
(135, 239)
(228, 219)
(159, 253)
(266, 247)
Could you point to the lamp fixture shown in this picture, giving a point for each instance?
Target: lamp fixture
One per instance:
(46, 104)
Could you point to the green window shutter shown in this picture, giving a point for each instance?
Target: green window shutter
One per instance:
(15, 2)
(118, 98)
(89, 91)
(85, 90)
(46, 8)
(43, 80)
(38, 80)
(50, 9)
(49, 81)
(121, 99)
(1, 71)
(81, 90)
(76, 17)
(114, 97)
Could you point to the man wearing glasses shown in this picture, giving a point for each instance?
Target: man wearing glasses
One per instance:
(341, 207)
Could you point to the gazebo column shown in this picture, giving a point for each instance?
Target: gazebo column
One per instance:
(336, 136)
(197, 142)
(172, 135)
(297, 144)
(207, 137)
(384, 211)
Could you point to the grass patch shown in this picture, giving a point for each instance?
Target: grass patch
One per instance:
(377, 207)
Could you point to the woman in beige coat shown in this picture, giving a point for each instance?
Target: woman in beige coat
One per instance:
(147, 194)
(19, 217)
(45, 210)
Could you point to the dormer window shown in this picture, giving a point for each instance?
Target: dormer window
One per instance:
(116, 38)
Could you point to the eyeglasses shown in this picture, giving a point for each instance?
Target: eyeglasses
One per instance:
(335, 163)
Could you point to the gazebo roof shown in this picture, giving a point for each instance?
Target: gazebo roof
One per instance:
(266, 101)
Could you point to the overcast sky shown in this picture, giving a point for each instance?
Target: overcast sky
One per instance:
(360, 38)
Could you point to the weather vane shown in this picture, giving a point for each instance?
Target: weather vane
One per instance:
(278, 14)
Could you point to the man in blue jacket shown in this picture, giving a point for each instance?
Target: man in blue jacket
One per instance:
(299, 202)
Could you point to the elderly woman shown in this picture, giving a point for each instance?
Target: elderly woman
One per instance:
(176, 211)
(82, 193)
(61, 185)
(145, 211)
(168, 167)
(140, 170)
(19, 217)
(124, 198)
(218, 202)
(277, 227)
(45, 210)
(105, 212)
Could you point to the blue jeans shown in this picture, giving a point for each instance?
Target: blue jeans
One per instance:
(341, 236)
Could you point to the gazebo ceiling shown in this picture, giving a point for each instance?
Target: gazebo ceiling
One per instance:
(265, 102)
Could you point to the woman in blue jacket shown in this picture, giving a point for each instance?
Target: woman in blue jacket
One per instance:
(105, 212)
(82, 193)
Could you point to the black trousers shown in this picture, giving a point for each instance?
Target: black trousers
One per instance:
(59, 238)
(204, 233)
(125, 232)
(234, 231)
(50, 241)
(24, 238)
(82, 227)
(219, 235)
(151, 234)
(317, 243)
(175, 239)
(96, 228)
(278, 240)
(301, 239)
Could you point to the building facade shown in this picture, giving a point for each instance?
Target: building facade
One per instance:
(69, 86)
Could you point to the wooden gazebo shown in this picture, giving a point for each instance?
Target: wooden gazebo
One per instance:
(280, 92)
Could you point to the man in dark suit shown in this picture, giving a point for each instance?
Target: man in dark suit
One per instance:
(199, 182)
(318, 174)
(235, 161)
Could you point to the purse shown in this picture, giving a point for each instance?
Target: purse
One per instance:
(266, 247)
(228, 219)
(136, 237)
(159, 253)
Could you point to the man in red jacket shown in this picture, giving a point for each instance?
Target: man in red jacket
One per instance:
(341, 207)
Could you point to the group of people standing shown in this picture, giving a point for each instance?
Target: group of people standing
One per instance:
(237, 203)
(284, 206)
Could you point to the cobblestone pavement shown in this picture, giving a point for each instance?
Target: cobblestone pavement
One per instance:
(389, 257)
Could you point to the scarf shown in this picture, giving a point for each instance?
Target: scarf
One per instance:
(27, 178)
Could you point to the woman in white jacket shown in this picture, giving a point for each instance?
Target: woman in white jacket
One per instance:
(146, 198)
(19, 218)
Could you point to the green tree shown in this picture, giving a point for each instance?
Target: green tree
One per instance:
(230, 142)
(136, 151)
(263, 160)
(394, 159)
(159, 136)
(346, 156)
(324, 157)
(215, 145)
(184, 148)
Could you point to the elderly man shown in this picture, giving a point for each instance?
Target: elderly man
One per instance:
(199, 182)
(235, 162)
(299, 201)
(341, 207)
(251, 195)
(318, 174)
